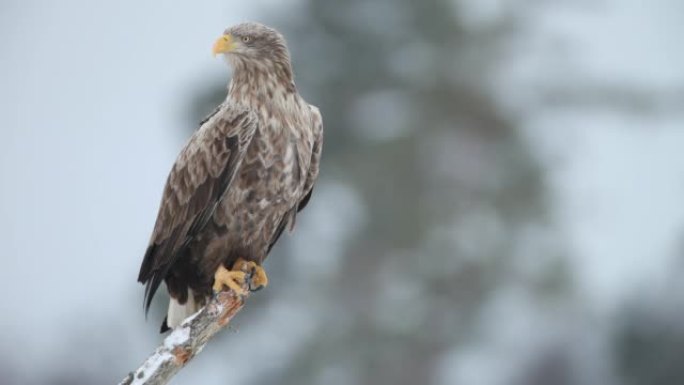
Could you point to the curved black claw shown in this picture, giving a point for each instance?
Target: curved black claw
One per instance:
(251, 281)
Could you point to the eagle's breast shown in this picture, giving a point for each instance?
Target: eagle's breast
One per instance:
(270, 180)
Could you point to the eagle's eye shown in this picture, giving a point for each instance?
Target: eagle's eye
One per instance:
(246, 39)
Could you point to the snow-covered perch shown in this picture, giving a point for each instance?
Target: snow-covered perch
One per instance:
(186, 341)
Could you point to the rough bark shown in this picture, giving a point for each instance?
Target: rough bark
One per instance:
(186, 341)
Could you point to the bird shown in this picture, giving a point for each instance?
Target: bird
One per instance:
(238, 182)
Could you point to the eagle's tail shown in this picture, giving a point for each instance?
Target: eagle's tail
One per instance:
(179, 312)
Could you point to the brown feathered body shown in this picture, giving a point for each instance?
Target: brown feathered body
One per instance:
(237, 184)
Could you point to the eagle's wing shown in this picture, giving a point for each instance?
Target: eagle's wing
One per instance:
(311, 176)
(316, 149)
(201, 175)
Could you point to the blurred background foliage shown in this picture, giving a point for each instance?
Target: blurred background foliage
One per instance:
(498, 201)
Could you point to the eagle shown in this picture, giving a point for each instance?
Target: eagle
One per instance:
(238, 183)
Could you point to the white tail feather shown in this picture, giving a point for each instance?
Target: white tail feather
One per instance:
(177, 312)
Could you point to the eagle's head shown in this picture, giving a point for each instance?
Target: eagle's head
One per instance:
(252, 43)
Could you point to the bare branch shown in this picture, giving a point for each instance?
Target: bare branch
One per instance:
(186, 341)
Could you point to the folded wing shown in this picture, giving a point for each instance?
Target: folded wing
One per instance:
(201, 175)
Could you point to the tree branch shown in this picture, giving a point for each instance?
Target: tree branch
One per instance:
(186, 341)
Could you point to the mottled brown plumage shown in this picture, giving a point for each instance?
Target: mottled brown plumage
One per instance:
(241, 178)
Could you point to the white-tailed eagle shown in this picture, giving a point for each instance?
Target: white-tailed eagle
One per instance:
(238, 182)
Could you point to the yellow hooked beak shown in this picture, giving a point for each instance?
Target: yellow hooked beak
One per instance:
(223, 44)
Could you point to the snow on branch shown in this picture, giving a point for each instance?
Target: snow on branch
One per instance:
(186, 341)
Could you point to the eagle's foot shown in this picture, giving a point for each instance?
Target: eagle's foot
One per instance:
(257, 278)
(233, 279)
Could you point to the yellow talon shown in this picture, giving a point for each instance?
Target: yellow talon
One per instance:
(258, 278)
(233, 279)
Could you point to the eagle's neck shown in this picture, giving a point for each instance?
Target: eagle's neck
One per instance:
(256, 84)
